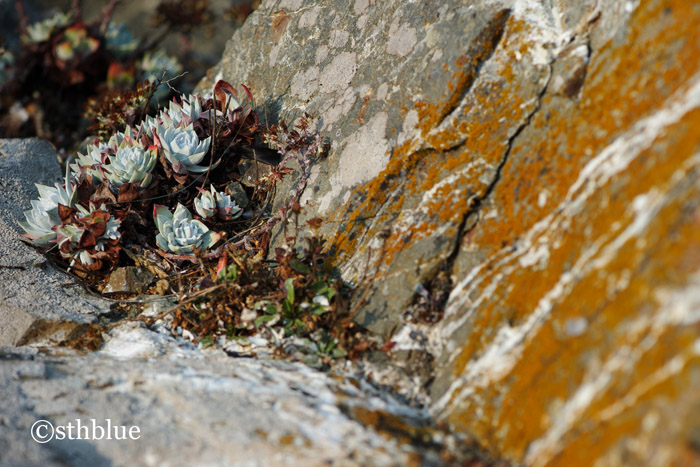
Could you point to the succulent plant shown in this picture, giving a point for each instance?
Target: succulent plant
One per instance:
(178, 233)
(119, 40)
(183, 148)
(89, 236)
(123, 159)
(93, 154)
(213, 203)
(183, 114)
(131, 164)
(76, 43)
(44, 215)
(41, 31)
(7, 59)
(157, 66)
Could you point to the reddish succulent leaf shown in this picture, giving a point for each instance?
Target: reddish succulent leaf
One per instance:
(64, 212)
(249, 94)
(103, 195)
(224, 90)
(87, 240)
(127, 193)
(85, 191)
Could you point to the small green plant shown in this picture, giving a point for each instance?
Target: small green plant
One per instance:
(206, 341)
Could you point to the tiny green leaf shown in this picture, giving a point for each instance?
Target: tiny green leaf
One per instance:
(289, 285)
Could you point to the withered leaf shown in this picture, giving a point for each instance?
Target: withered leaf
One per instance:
(103, 195)
(64, 212)
(87, 240)
(127, 193)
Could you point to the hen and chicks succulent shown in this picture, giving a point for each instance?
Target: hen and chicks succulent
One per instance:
(164, 157)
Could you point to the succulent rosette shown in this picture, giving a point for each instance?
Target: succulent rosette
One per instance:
(93, 154)
(213, 203)
(119, 40)
(157, 66)
(175, 115)
(178, 233)
(182, 148)
(187, 112)
(44, 215)
(96, 153)
(131, 164)
(89, 236)
(41, 31)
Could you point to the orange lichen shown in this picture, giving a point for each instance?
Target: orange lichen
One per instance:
(658, 57)
(280, 20)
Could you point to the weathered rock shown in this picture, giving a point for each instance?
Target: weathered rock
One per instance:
(573, 324)
(536, 161)
(129, 279)
(392, 83)
(238, 194)
(191, 408)
(34, 306)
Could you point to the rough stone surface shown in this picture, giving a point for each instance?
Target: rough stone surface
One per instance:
(536, 163)
(34, 306)
(129, 279)
(399, 99)
(193, 407)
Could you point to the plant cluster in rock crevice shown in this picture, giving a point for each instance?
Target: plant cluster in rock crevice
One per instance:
(165, 194)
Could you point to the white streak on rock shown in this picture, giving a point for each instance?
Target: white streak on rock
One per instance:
(679, 307)
(504, 352)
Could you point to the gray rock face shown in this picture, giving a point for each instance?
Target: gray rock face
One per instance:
(390, 82)
(513, 189)
(191, 408)
(34, 305)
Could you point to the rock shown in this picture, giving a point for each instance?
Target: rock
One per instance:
(130, 279)
(238, 194)
(34, 305)
(191, 408)
(544, 159)
(379, 76)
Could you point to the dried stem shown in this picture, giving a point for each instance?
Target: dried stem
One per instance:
(21, 17)
(107, 15)
(76, 9)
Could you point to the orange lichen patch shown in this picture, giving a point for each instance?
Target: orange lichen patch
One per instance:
(510, 225)
(458, 177)
(617, 297)
(614, 97)
(280, 20)
(409, 174)
(376, 192)
(667, 401)
(430, 115)
(622, 316)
